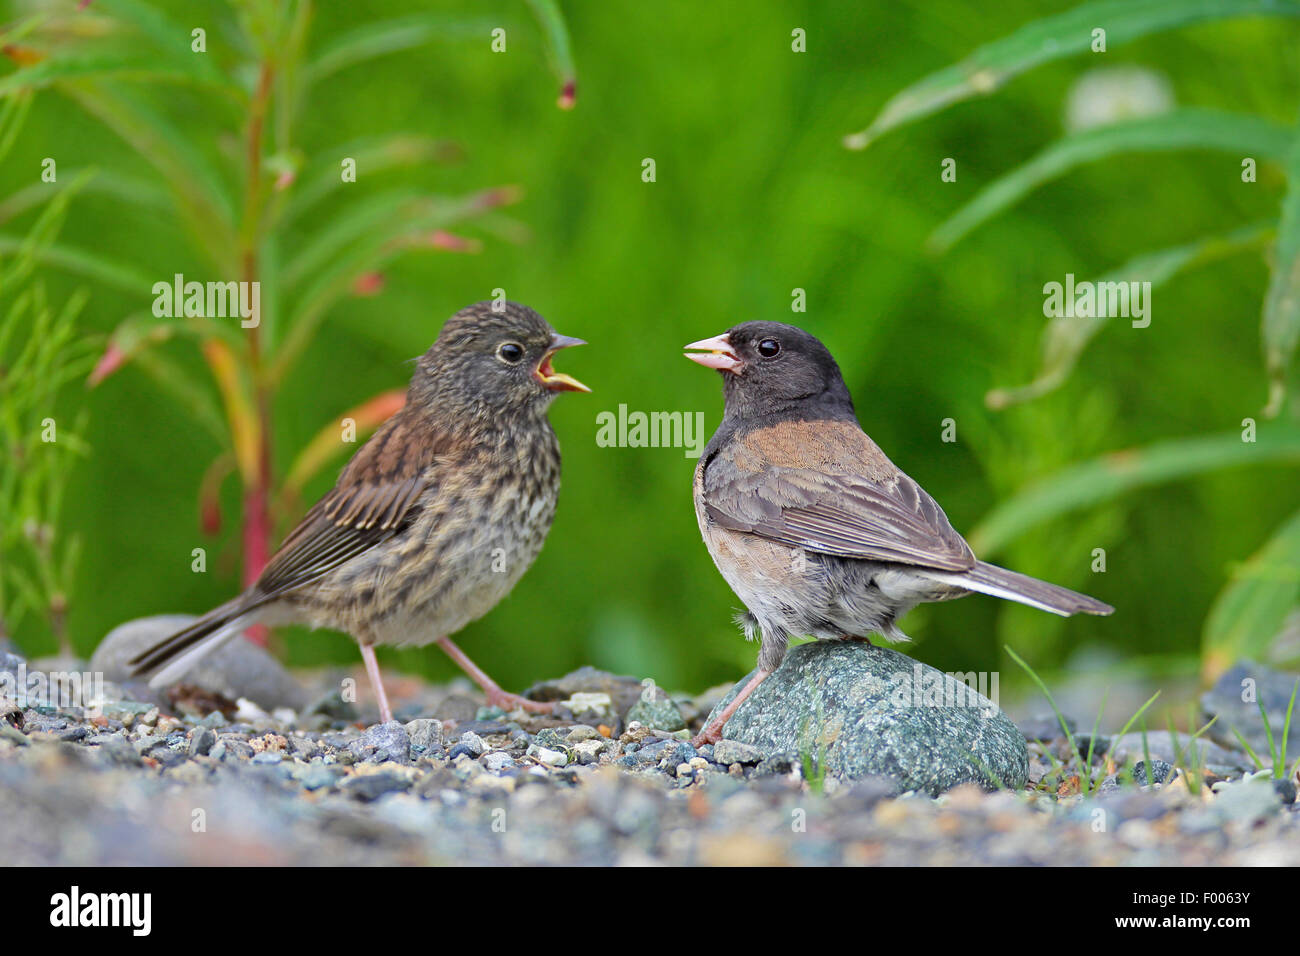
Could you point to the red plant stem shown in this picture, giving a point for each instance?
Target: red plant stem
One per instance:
(257, 510)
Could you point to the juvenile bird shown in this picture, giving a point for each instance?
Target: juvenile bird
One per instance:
(816, 531)
(435, 517)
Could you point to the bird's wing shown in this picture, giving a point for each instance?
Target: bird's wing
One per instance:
(885, 516)
(374, 498)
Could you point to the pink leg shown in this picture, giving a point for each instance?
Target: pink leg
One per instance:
(496, 697)
(713, 732)
(377, 682)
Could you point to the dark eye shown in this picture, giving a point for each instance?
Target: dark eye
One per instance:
(768, 347)
(511, 352)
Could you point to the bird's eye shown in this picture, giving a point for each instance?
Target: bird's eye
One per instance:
(511, 353)
(768, 347)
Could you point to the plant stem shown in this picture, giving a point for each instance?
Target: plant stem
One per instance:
(257, 514)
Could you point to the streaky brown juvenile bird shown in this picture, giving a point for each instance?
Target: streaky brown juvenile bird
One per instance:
(816, 531)
(435, 517)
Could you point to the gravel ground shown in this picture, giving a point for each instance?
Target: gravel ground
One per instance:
(134, 785)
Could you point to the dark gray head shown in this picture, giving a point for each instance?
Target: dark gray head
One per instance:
(770, 369)
(494, 360)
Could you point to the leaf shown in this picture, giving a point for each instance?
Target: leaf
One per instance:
(1252, 609)
(371, 156)
(1237, 133)
(1119, 472)
(144, 329)
(557, 34)
(113, 272)
(180, 383)
(245, 426)
(98, 66)
(202, 197)
(388, 211)
(390, 36)
(169, 38)
(1053, 38)
(1281, 323)
(1066, 337)
(12, 116)
(125, 189)
(38, 241)
(361, 242)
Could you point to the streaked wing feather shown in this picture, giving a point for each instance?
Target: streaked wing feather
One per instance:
(844, 515)
(375, 497)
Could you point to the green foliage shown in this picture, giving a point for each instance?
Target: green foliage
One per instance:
(41, 353)
(234, 204)
(1248, 615)
(755, 197)
(1052, 38)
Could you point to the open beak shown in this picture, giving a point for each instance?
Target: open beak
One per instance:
(549, 377)
(716, 353)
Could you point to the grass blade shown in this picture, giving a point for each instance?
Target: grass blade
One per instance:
(1066, 338)
(1053, 38)
(557, 35)
(1240, 134)
(1251, 609)
(1119, 472)
(1060, 718)
(390, 36)
(1280, 329)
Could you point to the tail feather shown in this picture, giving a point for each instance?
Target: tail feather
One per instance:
(178, 653)
(1013, 586)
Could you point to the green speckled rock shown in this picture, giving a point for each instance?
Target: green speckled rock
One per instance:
(857, 710)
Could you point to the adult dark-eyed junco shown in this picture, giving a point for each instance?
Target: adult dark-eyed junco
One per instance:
(435, 517)
(816, 531)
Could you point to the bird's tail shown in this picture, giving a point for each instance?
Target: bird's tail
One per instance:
(175, 655)
(999, 582)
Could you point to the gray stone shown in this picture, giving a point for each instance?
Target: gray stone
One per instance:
(1160, 745)
(733, 751)
(855, 710)
(552, 758)
(239, 668)
(1248, 800)
(116, 750)
(372, 786)
(1271, 688)
(622, 690)
(1044, 728)
(201, 741)
(1159, 772)
(383, 742)
(318, 776)
(473, 743)
(588, 752)
(426, 735)
(497, 761)
(10, 662)
(656, 711)
(333, 706)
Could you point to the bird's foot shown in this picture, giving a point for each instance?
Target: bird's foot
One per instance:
(509, 702)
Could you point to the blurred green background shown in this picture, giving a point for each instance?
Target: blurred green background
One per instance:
(755, 196)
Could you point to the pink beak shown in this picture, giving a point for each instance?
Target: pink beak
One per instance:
(716, 353)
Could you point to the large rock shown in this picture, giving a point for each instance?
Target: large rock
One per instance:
(857, 711)
(1235, 699)
(623, 691)
(239, 668)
